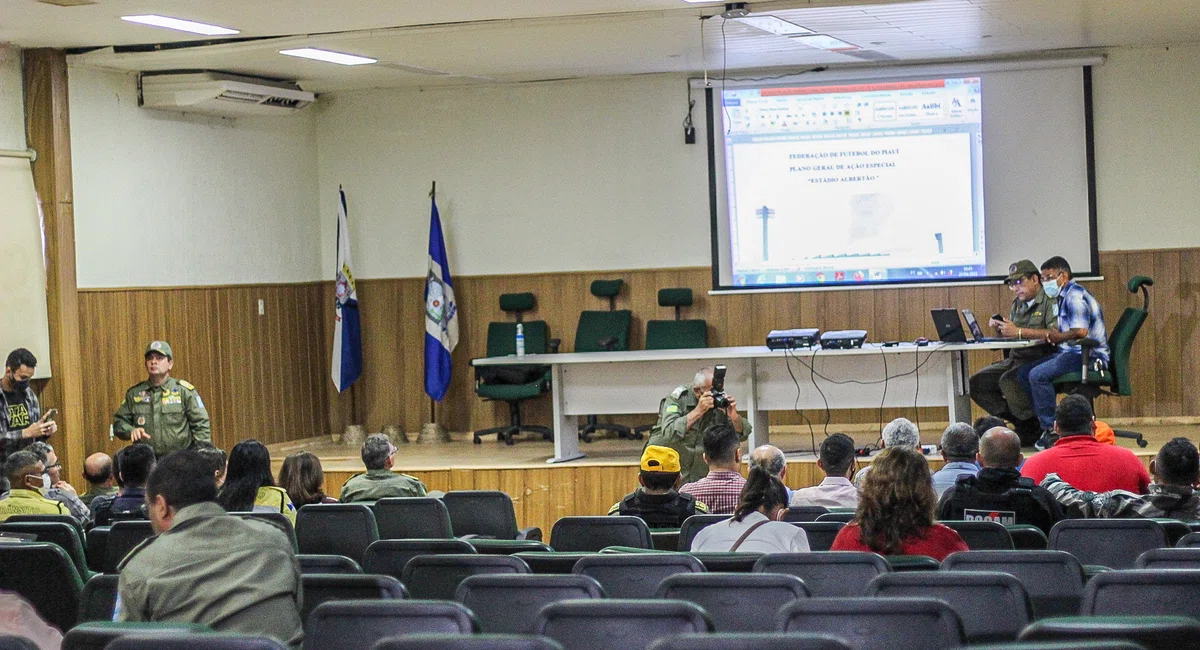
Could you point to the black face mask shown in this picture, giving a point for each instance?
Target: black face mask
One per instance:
(19, 386)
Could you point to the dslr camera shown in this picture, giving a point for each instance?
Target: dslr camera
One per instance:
(720, 399)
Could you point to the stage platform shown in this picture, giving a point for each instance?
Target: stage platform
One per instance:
(542, 493)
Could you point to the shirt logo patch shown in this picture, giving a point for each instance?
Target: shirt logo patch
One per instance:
(175, 396)
(1006, 517)
(141, 421)
(142, 397)
(18, 416)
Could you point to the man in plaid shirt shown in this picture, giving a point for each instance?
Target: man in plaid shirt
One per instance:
(1079, 317)
(1176, 470)
(721, 490)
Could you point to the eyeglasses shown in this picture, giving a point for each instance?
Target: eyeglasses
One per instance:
(54, 466)
(1046, 277)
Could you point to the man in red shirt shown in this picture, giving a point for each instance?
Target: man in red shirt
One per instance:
(1079, 459)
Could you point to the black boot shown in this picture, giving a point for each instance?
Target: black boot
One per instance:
(1028, 430)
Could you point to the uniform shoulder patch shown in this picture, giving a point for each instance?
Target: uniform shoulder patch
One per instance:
(678, 392)
(700, 507)
(616, 507)
(186, 384)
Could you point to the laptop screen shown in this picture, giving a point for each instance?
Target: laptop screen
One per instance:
(976, 330)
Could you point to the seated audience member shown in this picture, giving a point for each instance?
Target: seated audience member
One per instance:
(100, 500)
(722, 488)
(98, 472)
(59, 490)
(836, 491)
(959, 447)
(772, 460)
(895, 511)
(999, 492)
(656, 501)
(234, 575)
(1079, 459)
(216, 459)
(27, 477)
(1176, 471)
(754, 527)
(379, 481)
(303, 479)
(986, 423)
(685, 415)
(900, 432)
(133, 464)
(249, 486)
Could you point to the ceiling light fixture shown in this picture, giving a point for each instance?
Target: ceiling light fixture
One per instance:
(329, 56)
(824, 42)
(190, 26)
(774, 25)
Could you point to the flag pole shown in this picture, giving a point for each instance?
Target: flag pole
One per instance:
(433, 402)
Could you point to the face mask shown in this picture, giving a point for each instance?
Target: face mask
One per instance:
(45, 482)
(1051, 289)
(18, 386)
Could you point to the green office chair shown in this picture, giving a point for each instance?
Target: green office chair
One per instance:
(604, 331)
(1113, 380)
(516, 383)
(676, 334)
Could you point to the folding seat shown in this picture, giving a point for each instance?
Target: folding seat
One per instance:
(1062, 645)
(635, 575)
(54, 532)
(327, 564)
(1145, 592)
(123, 537)
(665, 540)
(1175, 529)
(750, 641)
(724, 562)
(1113, 543)
(486, 513)
(842, 517)
(797, 514)
(62, 519)
(44, 575)
(735, 602)
(909, 563)
(438, 576)
(876, 623)
(597, 533)
(195, 642)
(318, 589)
(486, 546)
(627, 624)
(508, 604)
(358, 624)
(99, 598)
(552, 562)
(1026, 537)
(473, 642)
(390, 556)
(693, 525)
(412, 518)
(1053, 579)
(1169, 558)
(98, 635)
(95, 543)
(336, 529)
(821, 533)
(982, 535)
(992, 606)
(828, 573)
(1191, 540)
(10, 642)
(1149, 632)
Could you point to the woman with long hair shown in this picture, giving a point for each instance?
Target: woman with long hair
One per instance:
(895, 511)
(754, 526)
(303, 479)
(249, 485)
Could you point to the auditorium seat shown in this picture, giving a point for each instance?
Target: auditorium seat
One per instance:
(597, 533)
(473, 642)
(336, 529)
(438, 576)
(98, 635)
(693, 525)
(485, 513)
(736, 602)
(992, 606)
(195, 642)
(1144, 592)
(820, 533)
(44, 575)
(876, 623)
(412, 518)
(635, 575)
(1169, 558)
(317, 589)
(62, 519)
(1191, 540)
(1062, 645)
(797, 514)
(486, 546)
(1149, 632)
(1053, 579)
(909, 563)
(750, 641)
(278, 518)
(843, 517)
(123, 537)
(99, 598)
(327, 564)
(95, 544)
(390, 556)
(1113, 543)
(1027, 538)
(982, 535)
(358, 624)
(828, 573)
(551, 562)
(12, 642)
(508, 604)
(627, 624)
(54, 532)
(726, 562)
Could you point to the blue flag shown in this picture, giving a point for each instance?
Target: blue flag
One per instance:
(441, 312)
(347, 332)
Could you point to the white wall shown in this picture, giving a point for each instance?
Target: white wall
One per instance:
(12, 100)
(166, 199)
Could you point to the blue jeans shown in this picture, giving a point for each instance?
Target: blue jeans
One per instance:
(1038, 378)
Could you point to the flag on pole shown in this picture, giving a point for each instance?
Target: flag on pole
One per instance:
(347, 332)
(441, 312)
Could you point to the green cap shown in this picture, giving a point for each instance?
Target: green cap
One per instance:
(1021, 269)
(161, 347)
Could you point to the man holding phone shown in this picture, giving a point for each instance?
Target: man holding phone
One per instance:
(21, 418)
(687, 412)
(997, 388)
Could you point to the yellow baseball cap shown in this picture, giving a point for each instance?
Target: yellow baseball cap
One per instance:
(660, 459)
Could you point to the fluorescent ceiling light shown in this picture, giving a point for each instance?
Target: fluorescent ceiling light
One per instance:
(823, 42)
(190, 26)
(328, 56)
(774, 25)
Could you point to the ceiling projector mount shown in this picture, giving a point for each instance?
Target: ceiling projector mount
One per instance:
(735, 10)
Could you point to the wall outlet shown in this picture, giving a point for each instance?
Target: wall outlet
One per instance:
(261, 308)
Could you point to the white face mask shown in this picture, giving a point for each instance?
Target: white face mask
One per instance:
(45, 482)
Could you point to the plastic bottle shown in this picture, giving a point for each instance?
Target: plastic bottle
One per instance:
(520, 340)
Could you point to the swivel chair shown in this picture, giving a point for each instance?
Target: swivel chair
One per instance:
(604, 331)
(518, 382)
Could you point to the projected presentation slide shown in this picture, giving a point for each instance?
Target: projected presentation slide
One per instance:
(860, 183)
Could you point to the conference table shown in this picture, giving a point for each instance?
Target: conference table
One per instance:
(759, 379)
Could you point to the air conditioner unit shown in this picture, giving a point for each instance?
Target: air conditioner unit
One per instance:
(220, 93)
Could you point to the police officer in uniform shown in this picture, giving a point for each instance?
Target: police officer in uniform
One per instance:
(380, 481)
(684, 415)
(165, 412)
(999, 492)
(656, 501)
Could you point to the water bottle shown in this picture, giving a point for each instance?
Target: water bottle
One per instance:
(520, 340)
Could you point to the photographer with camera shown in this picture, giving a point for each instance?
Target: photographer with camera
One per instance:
(688, 411)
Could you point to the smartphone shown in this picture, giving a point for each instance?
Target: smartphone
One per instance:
(50, 415)
(997, 317)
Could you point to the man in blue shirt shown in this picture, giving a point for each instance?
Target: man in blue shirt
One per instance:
(1079, 317)
(959, 447)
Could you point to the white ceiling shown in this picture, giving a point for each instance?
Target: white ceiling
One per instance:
(468, 41)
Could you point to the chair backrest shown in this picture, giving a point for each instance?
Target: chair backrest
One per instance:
(551, 562)
(820, 533)
(635, 575)
(992, 606)
(44, 575)
(618, 623)
(1191, 540)
(98, 635)
(486, 513)
(676, 334)
(1148, 632)
(327, 564)
(390, 556)
(597, 533)
(278, 518)
(509, 603)
(693, 525)
(438, 576)
(797, 514)
(412, 518)
(1026, 537)
(1169, 558)
(1114, 543)
(982, 535)
(1175, 529)
(158, 641)
(62, 519)
(843, 517)
(12, 642)
(502, 338)
(877, 623)
(485, 546)
(1143, 592)
(336, 529)
(53, 532)
(736, 602)
(827, 573)
(95, 544)
(1120, 345)
(99, 598)
(1053, 579)
(726, 562)
(595, 326)
(473, 642)
(358, 624)
(750, 641)
(123, 536)
(321, 588)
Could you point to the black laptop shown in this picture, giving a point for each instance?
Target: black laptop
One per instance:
(949, 326)
(976, 330)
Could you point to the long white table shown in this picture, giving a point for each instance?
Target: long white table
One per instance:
(761, 380)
